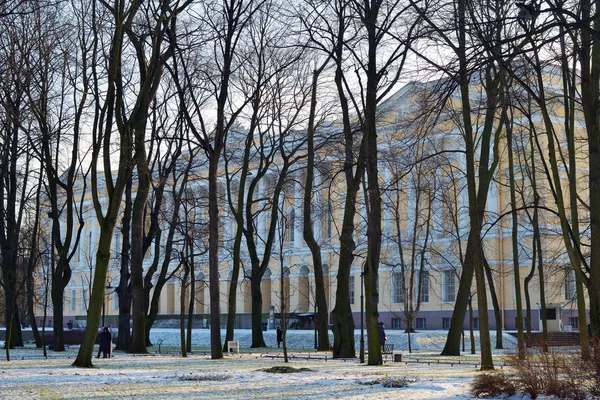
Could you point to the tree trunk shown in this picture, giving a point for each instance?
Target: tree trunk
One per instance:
(84, 356)
(590, 88)
(213, 255)
(569, 95)
(31, 308)
(123, 290)
(58, 309)
(471, 326)
(60, 278)
(515, 240)
(537, 238)
(477, 195)
(495, 303)
(138, 303)
(233, 285)
(256, 294)
(11, 311)
(322, 317)
(528, 279)
(182, 312)
(190, 319)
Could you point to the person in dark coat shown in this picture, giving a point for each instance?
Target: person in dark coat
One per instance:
(279, 336)
(106, 342)
(382, 337)
(101, 336)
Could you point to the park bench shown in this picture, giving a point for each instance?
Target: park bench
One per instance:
(388, 350)
(233, 344)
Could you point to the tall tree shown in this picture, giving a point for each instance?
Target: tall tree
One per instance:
(216, 28)
(57, 78)
(322, 315)
(16, 45)
(514, 236)
(112, 110)
(372, 38)
(153, 40)
(260, 80)
(461, 37)
(410, 190)
(176, 171)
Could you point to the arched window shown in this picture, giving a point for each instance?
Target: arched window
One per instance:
(303, 289)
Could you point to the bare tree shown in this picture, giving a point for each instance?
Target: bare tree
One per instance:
(265, 81)
(215, 28)
(152, 35)
(177, 172)
(56, 78)
(412, 175)
(112, 109)
(371, 38)
(15, 160)
(321, 317)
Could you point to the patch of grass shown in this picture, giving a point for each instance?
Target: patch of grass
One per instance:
(202, 378)
(388, 382)
(284, 370)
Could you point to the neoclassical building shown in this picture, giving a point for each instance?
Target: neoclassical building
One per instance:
(425, 224)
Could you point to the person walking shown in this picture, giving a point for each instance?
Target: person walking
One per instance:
(100, 342)
(382, 337)
(279, 336)
(108, 337)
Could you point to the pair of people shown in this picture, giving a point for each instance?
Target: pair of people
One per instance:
(105, 338)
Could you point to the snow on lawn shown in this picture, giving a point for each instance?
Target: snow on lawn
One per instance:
(303, 339)
(230, 378)
(29, 376)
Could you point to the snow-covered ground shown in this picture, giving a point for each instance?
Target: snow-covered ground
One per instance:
(239, 376)
(303, 339)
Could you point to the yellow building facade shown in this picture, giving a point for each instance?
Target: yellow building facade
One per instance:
(425, 225)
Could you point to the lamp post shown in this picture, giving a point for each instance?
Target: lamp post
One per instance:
(108, 287)
(362, 327)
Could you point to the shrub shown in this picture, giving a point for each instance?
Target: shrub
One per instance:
(559, 374)
(388, 382)
(492, 385)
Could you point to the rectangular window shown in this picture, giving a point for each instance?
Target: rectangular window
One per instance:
(424, 282)
(291, 225)
(574, 322)
(351, 291)
(73, 299)
(397, 292)
(117, 246)
(475, 323)
(570, 290)
(89, 246)
(329, 221)
(421, 323)
(115, 301)
(83, 300)
(446, 323)
(396, 323)
(449, 292)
